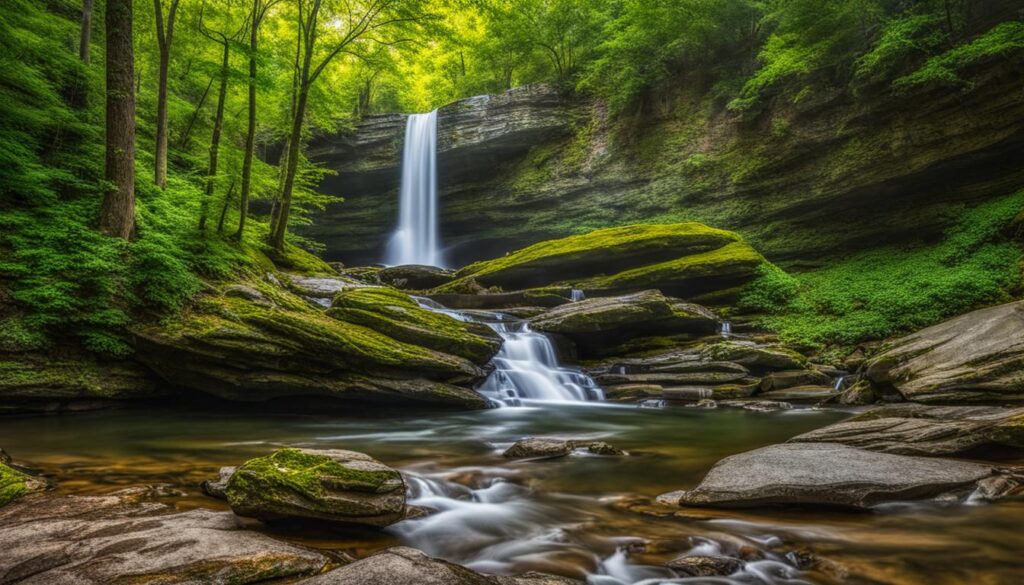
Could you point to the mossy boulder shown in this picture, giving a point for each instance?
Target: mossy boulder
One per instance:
(14, 484)
(683, 259)
(398, 316)
(754, 356)
(596, 323)
(281, 346)
(415, 276)
(333, 485)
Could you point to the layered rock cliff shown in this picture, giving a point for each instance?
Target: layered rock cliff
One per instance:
(834, 171)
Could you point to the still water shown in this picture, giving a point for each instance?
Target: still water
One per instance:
(583, 516)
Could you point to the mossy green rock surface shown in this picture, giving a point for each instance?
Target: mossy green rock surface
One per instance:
(275, 344)
(15, 484)
(335, 485)
(682, 259)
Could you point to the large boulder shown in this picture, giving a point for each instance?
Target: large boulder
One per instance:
(124, 537)
(407, 565)
(601, 321)
(683, 259)
(976, 357)
(919, 429)
(333, 485)
(829, 475)
(63, 379)
(754, 356)
(277, 345)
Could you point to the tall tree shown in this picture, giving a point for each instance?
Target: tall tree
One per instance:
(164, 37)
(117, 213)
(86, 36)
(356, 23)
(259, 11)
(218, 121)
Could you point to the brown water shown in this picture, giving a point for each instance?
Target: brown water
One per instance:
(580, 516)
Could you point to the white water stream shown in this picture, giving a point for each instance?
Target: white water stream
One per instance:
(416, 240)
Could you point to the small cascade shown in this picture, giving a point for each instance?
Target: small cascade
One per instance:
(577, 295)
(838, 386)
(725, 329)
(415, 240)
(526, 368)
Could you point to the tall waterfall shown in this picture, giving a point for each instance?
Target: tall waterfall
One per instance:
(415, 240)
(526, 367)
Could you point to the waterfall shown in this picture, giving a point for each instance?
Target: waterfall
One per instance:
(415, 240)
(526, 367)
(577, 295)
(725, 329)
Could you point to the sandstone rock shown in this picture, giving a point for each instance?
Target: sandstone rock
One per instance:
(975, 357)
(860, 393)
(415, 276)
(401, 565)
(830, 475)
(627, 392)
(602, 448)
(704, 566)
(333, 485)
(218, 488)
(754, 356)
(122, 537)
(383, 348)
(684, 259)
(800, 394)
(790, 378)
(597, 322)
(757, 405)
(917, 429)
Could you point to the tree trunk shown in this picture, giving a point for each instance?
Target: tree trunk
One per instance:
(250, 136)
(281, 228)
(183, 139)
(224, 209)
(164, 39)
(117, 213)
(218, 124)
(86, 38)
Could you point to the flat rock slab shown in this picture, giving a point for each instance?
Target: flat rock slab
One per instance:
(123, 538)
(975, 357)
(403, 565)
(800, 394)
(828, 475)
(919, 429)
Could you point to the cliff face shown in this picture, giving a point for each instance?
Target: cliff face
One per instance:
(829, 173)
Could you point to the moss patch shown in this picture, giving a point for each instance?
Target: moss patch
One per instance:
(13, 485)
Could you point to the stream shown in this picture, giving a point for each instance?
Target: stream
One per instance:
(562, 516)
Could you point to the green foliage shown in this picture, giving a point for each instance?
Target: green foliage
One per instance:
(887, 291)
(1001, 41)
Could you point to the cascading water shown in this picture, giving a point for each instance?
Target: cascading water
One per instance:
(526, 368)
(416, 241)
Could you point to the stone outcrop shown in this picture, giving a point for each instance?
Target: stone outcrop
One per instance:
(415, 276)
(687, 260)
(124, 537)
(378, 346)
(597, 323)
(541, 447)
(822, 474)
(918, 429)
(407, 565)
(976, 357)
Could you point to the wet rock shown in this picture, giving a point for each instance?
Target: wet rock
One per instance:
(415, 276)
(483, 300)
(539, 447)
(125, 538)
(602, 448)
(861, 393)
(407, 565)
(761, 357)
(821, 474)
(628, 392)
(794, 378)
(757, 405)
(672, 378)
(377, 347)
(705, 403)
(687, 393)
(801, 394)
(597, 322)
(704, 566)
(328, 484)
(217, 488)
(975, 357)
(918, 429)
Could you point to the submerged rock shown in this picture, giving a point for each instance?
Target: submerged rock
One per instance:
(540, 447)
(829, 475)
(125, 538)
(918, 429)
(415, 276)
(704, 565)
(683, 259)
(975, 357)
(333, 485)
(597, 322)
(401, 565)
(378, 346)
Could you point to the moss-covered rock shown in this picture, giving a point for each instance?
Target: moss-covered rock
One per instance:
(398, 316)
(15, 484)
(682, 259)
(244, 349)
(334, 485)
(415, 276)
(756, 357)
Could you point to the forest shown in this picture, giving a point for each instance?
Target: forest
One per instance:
(501, 292)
